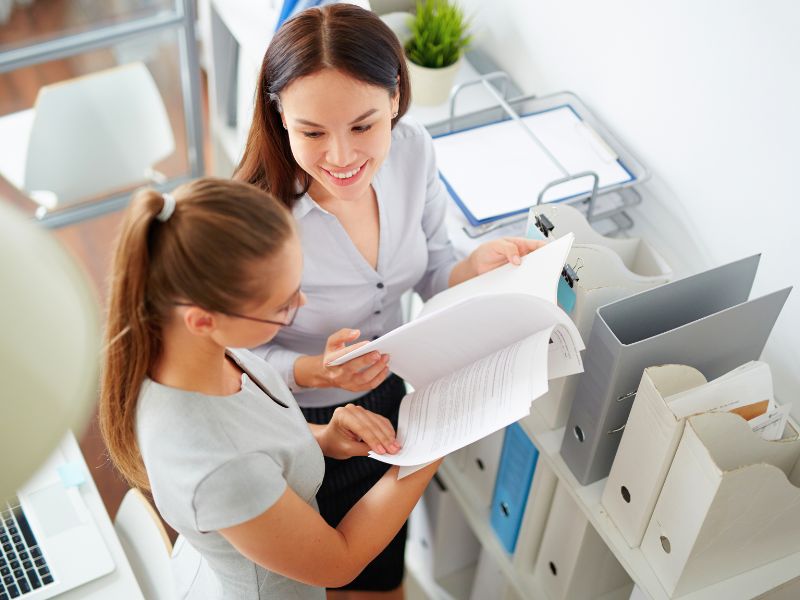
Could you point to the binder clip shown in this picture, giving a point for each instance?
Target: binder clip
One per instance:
(569, 274)
(566, 294)
(544, 225)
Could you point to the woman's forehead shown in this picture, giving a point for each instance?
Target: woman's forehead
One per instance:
(331, 91)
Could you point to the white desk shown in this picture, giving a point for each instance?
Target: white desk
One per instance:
(121, 583)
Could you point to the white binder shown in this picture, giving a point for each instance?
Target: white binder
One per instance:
(574, 563)
(440, 529)
(489, 581)
(534, 520)
(608, 269)
(730, 503)
(638, 256)
(667, 394)
(478, 463)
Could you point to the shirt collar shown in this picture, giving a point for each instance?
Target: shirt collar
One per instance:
(304, 205)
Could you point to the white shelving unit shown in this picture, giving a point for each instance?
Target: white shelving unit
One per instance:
(750, 584)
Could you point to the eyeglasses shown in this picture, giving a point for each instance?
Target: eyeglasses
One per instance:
(291, 312)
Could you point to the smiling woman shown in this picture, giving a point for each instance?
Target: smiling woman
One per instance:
(330, 140)
(340, 133)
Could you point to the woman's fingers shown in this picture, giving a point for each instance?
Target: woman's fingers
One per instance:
(374, 430)
(526, 246)
(363, 363)
(513, 248)
(340, 338)
(331, 355)
(378, 378)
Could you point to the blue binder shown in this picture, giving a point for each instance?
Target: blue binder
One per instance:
(514, 477)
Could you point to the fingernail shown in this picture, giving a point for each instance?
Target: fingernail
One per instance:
(381, 449)
(515, 260)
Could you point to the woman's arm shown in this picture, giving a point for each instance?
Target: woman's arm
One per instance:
(292, 539)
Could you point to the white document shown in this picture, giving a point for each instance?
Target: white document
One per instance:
(478, 317)
(749, 383)
(771, 425)
(469, 170)
(471, 403)
(478, 355)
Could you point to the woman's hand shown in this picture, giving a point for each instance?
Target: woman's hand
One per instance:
(493, 254)
(360, 374)
(354, 431)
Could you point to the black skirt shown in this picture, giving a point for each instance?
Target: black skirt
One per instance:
(346, 481)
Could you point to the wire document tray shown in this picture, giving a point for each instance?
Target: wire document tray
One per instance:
(607, 203)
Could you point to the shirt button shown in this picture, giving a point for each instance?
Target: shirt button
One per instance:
(374, 337)
(377, 312)
(380, 286)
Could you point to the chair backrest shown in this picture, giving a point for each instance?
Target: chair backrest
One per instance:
(146, 545)
(98, 133)
(190, 572)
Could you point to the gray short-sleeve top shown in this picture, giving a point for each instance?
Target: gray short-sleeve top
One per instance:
(218, 461)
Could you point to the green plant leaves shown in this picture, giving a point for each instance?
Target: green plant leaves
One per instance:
(439, 34)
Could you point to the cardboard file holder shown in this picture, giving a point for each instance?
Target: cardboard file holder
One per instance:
(730, 503)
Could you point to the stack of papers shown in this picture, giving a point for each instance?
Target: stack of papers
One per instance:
(746, 391)
(478, 355)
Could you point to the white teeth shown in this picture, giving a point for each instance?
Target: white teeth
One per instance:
(346, 175)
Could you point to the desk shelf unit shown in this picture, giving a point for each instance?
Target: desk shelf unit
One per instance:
(756, 583)
(751, 584)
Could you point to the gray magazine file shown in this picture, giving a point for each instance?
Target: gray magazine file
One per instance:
(704, 321)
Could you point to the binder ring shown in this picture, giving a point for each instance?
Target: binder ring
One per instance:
(626, 396)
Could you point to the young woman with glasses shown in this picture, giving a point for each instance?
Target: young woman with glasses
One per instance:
(212, 430)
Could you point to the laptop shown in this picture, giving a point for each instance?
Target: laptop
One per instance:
(49, 541)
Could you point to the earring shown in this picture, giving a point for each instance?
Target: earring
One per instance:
(284, 125)
(394, 115)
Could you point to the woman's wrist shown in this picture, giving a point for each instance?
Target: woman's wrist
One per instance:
(309, 373)
(320, 433)
(462, 271)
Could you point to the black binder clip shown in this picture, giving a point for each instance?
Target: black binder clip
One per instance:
(545, 225)
(570, 275)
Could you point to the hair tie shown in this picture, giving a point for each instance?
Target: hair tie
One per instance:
(168, 208)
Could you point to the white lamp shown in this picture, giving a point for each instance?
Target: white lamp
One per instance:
(49, 347)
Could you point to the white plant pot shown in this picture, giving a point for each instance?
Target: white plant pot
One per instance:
(430, 87)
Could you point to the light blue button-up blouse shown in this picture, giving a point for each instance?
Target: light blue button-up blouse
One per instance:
(343, 290)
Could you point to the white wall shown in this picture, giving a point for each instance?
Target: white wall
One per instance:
(706, 93)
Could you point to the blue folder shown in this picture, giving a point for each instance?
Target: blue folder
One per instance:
(514, 477)
(473, 220)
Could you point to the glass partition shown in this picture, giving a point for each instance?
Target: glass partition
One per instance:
(88, 117)
(34, 21)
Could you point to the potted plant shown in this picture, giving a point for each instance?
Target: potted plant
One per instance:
(439, 37)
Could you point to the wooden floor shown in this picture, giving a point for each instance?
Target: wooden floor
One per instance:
(90, 241)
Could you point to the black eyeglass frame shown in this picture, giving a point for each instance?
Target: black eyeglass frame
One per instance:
(295, 306)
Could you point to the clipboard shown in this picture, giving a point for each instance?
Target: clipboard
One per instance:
(517, 120)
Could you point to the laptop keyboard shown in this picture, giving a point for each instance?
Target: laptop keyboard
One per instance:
(23, 568)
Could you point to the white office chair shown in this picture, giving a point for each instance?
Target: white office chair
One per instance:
(146, 545)
(87, 137)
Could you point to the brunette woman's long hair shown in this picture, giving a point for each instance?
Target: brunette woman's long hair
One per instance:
(202, 254)
(338, 36)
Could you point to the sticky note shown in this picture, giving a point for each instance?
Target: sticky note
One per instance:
(532, 232)
(566, 296)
